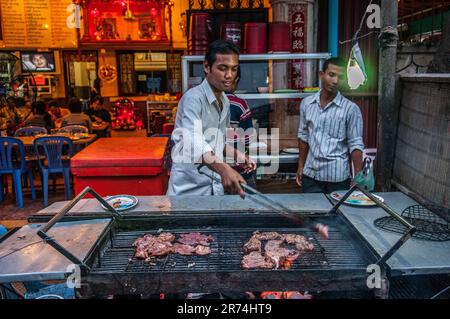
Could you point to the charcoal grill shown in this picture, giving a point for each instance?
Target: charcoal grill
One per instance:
(337, 264)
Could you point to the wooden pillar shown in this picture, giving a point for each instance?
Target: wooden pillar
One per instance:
(387, 95)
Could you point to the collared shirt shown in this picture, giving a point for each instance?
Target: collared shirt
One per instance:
(332, 133)
(200, 127)
(240, 118)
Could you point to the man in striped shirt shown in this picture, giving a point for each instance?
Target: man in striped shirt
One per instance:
(242, 130)
(330, 130)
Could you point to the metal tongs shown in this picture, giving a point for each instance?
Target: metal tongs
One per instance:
(302, 221)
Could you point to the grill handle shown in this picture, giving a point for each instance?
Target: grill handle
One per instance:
(410, 229)
(42, 232)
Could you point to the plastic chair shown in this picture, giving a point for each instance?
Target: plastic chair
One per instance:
(30, 131)
(12, 161)
(73, 129)
(53, 148)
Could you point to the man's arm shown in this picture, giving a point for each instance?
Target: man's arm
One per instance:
(356, 157)
(355, 138)
(303, 146)
(241, 159)
(231, 180)
(200, 150)
(303, 153)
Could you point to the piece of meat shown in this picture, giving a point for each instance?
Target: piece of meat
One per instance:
(266, 235)
(202, 250)
(143, 240)
(301, 242)
(159, 249)
(141, 254)
(166, 237)
(194, 239)
(185, 250)
(255, 260)
(254, 244)
(278, 254)
(304, 245)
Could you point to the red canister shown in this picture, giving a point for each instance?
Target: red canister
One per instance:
(200, 32)
(255, 37)
(231, 31)
(279, 37)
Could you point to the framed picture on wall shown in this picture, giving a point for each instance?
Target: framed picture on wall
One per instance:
(147, 27)
(109, 29)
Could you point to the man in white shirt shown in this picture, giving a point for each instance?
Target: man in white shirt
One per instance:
(330, 132)
(203, 115)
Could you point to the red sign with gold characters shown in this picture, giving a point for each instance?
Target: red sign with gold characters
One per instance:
(298, 14)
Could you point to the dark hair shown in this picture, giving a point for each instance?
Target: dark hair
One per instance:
(98, 98)
(335, 61)
(219, 47)
(53, 103)
(75, 105)
(39, 107)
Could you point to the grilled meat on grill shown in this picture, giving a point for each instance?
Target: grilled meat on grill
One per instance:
(161, 245)
(159, 248)
(256, 260)
(279, 254)
(275, 253)
(195, 239)
(185, 250)
(254, 244)
(301, 243)
(266, 235)
(166, 237)
(202, 250)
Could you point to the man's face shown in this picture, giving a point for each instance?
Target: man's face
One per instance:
(222, 73)
(40, 61)
(332, 78)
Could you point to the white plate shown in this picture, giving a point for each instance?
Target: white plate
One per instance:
(121, 202)
(290, 150)
(357, 198)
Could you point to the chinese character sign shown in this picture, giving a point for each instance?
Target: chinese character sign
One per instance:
(298, 18)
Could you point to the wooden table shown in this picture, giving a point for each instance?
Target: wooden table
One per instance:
(28, 140)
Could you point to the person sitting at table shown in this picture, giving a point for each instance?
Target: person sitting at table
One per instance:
(40, 116)
(76, 117)
(99, 115)
(57, 113)
(10, 116)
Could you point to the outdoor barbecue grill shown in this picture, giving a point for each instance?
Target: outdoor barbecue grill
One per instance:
(110, 268)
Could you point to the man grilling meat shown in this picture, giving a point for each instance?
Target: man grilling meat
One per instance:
(203, 115)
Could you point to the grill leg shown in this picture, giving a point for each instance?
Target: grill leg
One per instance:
(383, 292)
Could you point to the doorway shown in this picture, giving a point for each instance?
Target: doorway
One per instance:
(81, 72)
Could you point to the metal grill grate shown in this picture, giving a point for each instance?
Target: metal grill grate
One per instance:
(429, 225)
(337, 252)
